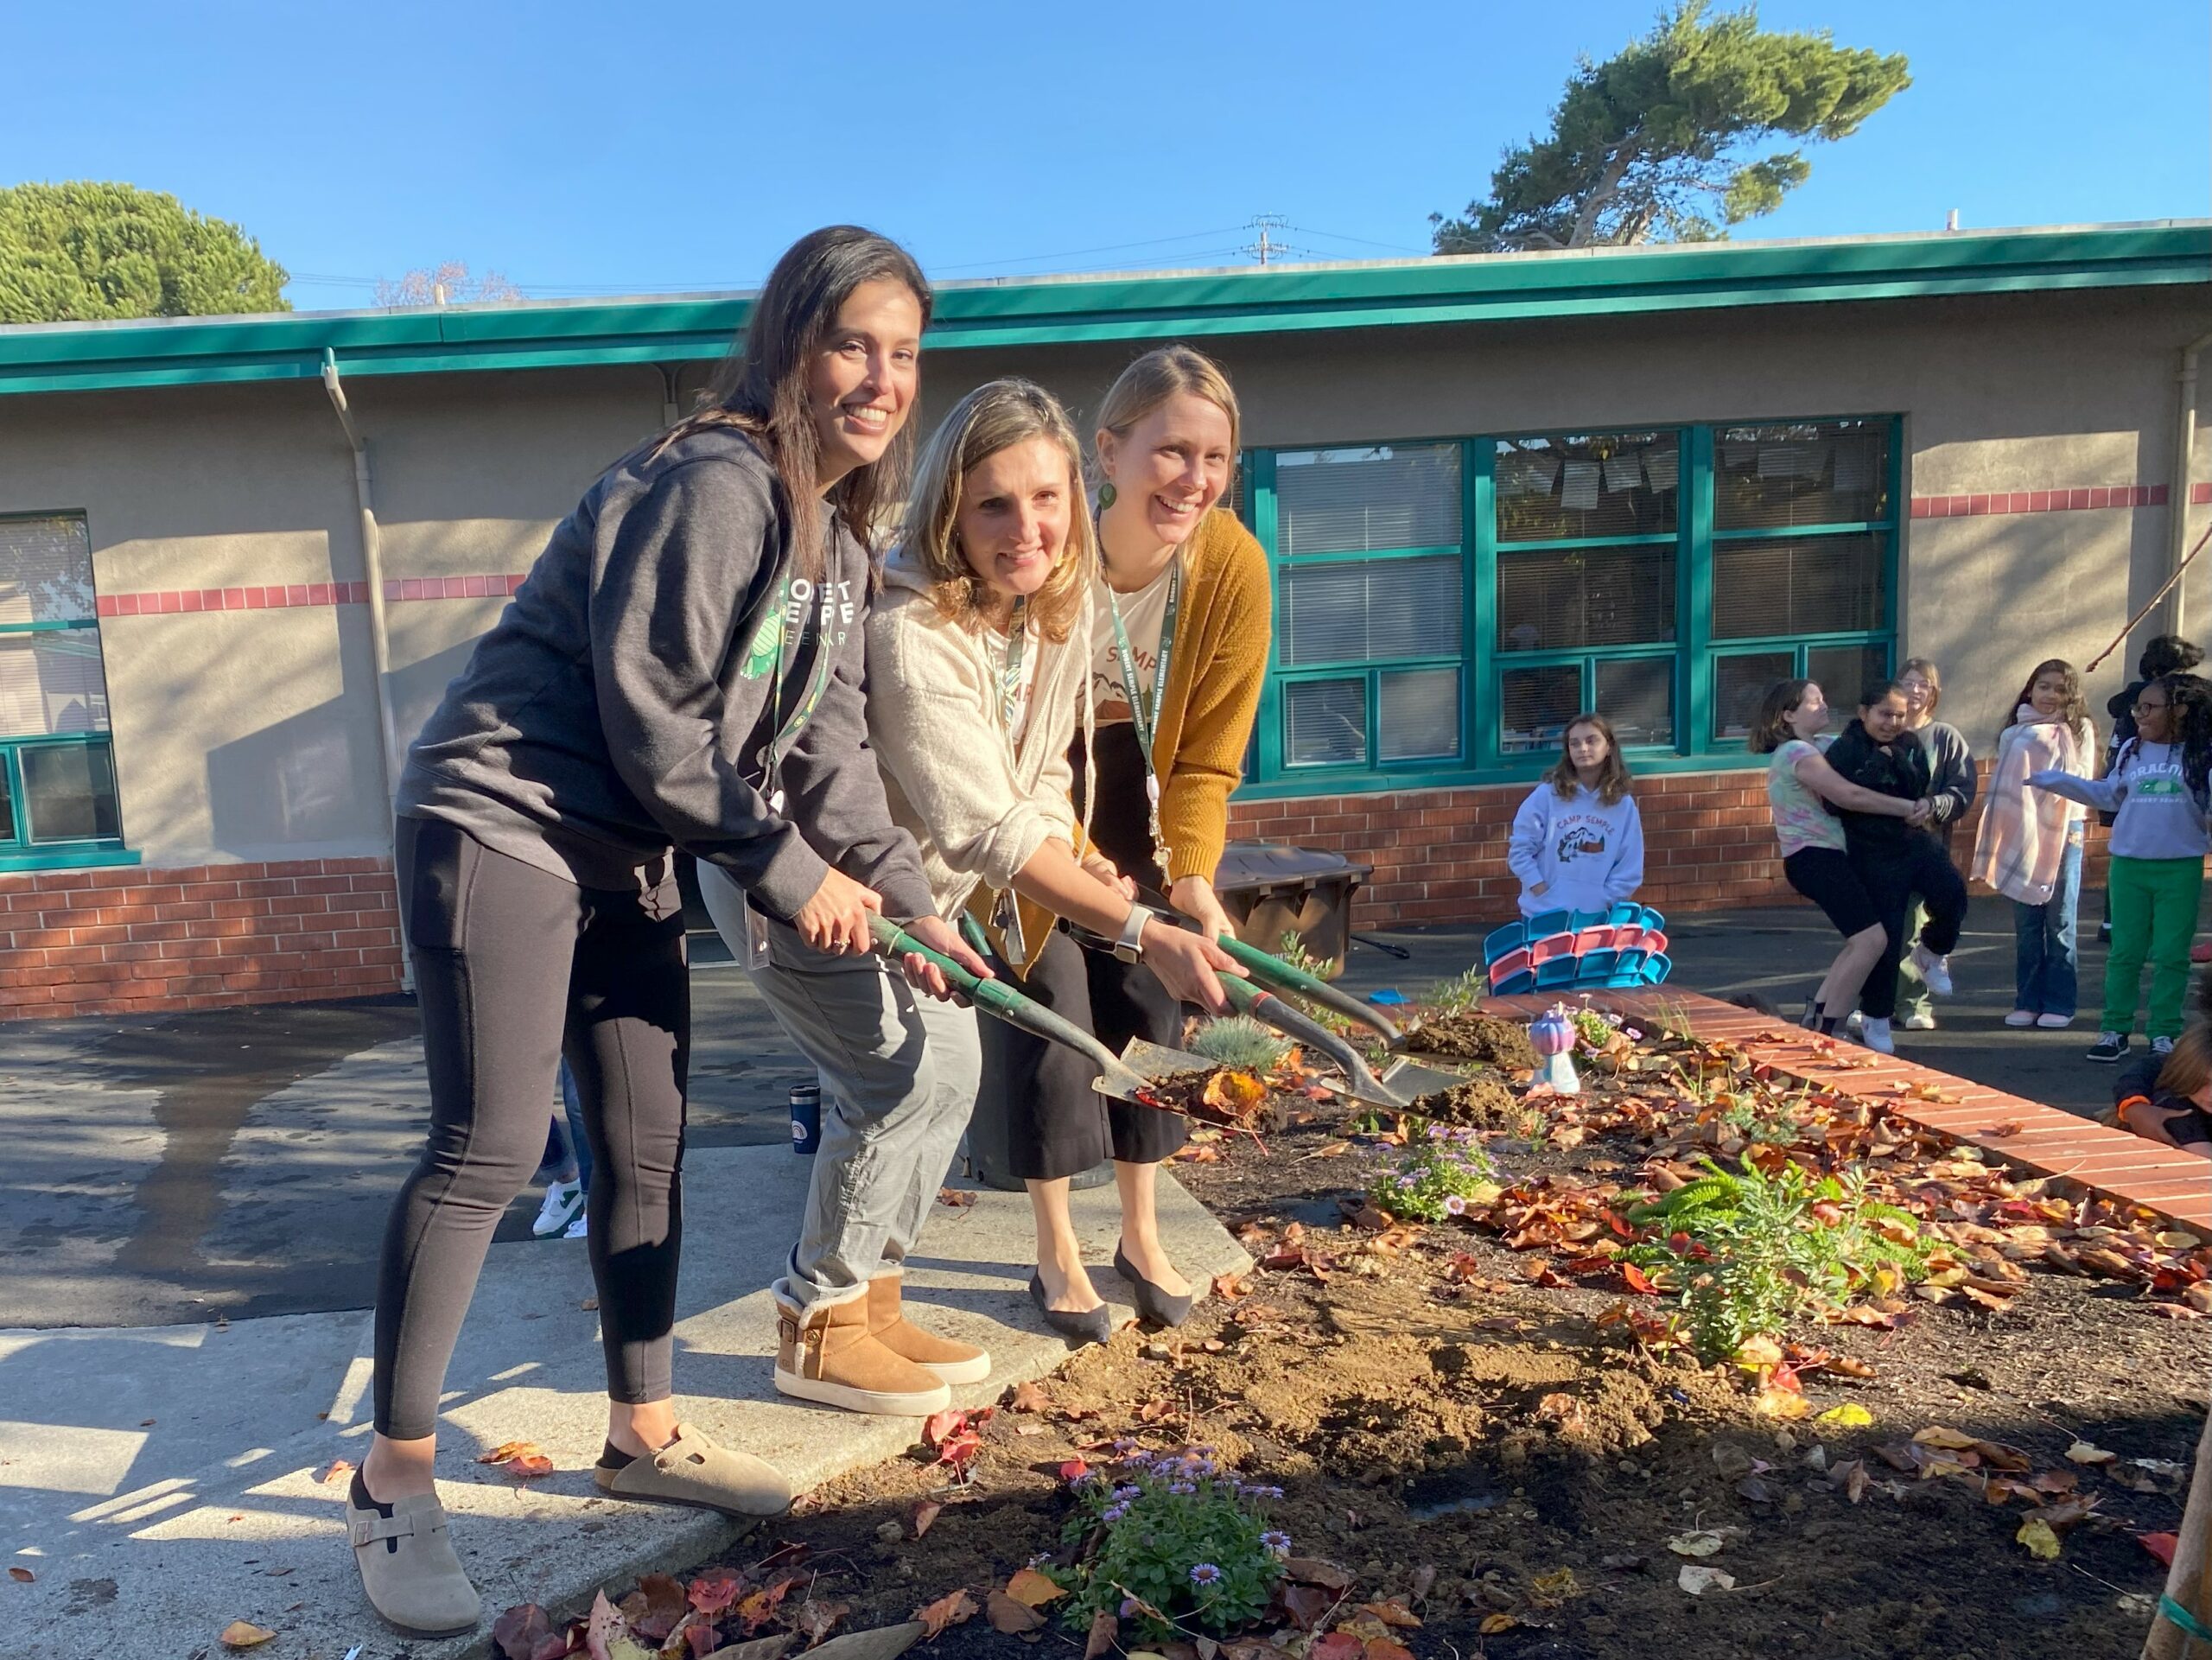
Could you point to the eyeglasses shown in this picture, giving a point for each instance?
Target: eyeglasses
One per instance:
(2151, 709)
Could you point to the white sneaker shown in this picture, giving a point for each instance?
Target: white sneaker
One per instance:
(579, 1229)
(1876, 1036)
(2162, 1047)
(2054, 1022)
(1918, 1022)
(2022, 1017)
(564, 1203)
(1854, 1022)
(1935, 972)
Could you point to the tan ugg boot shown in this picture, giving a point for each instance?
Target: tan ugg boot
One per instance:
(825, 1354)
(954, 1363)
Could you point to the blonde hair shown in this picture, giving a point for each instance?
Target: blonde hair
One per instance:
(1161, 374)
(996, 415)
(1926, 669)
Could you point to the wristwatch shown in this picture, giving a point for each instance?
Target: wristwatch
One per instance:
(1127, 947)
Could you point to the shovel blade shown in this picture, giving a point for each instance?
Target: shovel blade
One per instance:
(1413, 1081)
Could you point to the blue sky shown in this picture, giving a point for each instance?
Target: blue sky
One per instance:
(586, 149)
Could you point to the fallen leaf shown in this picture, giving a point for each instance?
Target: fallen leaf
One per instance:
(1772, 1402)
(1033, 1589)
(1382, 1648)
(1702, 1542)
(1307, 1605)
(923, 1517)
(589, 1305)
(1557, 1586)
(1336, 1646)
(339, 1470)
(2083, 1452)
(815, 1621)
(955, 1198)
(507, 1450)
(2042, 1542)
(242, 1634)
(1493, 1624)
(1031, 1397)
(953, 1608)
(715, 1590)
(1228, 1288)
(938, 1425)
(1854, 1478)
(1849, 1415)
(1012, 1618)
(518, 1632)
(1949, 1440)
(531, 1467)
(2160, 1545)
(1697, 1579)
(1311, 1570)
(1104, 1636)
(22, 1576)
(1393, 1613)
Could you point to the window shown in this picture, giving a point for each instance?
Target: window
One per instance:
(57, 768)
(1371, 606)
(1444, 608)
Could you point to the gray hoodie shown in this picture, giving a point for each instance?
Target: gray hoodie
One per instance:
(2158, 815)
(615, 709)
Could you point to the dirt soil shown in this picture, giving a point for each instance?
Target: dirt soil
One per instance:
(1452, 1423)
(1483, 1102)
(1495, 1042)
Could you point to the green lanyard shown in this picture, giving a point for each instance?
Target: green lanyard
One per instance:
(791, 613)
(1143, 712)
(1007, 912)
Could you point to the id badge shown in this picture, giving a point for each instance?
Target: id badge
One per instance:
(1007, 915)
(756, 939)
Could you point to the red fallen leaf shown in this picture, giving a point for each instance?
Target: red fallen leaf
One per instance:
(603, 1627)
(1638, 1280)
(1381, 1648)
(22, 1576)
(528, 1469)
(938, 1425)
(955, 1198)
(664, 1595)
(1228, 1288)
(715, 1590)
(1074, 1471)
(702, 1636)
(1542, 1274)
(953, 1608)
(1336, 1646)
(2160, 1545)
(960, 1450)
(1105, 1635)
(1012, 1618)
(555, 1646)
(2055, 1481)
(339, 1470)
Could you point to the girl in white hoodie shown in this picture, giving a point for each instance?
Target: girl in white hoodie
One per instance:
(1578, 841)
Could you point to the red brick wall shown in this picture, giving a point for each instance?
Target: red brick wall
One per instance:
(1439, 854)
(121, 939)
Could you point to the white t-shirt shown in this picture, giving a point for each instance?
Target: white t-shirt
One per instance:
(1142, 614)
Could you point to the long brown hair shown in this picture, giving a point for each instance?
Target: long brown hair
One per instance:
(996, 415)
(1612, 777)
(2075, 714)
(759, 387)
(1772, 728)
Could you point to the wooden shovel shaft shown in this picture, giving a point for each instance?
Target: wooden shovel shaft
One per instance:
(1279, 976)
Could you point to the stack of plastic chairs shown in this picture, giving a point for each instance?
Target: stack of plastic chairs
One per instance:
(1578, 951)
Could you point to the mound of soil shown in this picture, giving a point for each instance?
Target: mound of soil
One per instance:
(1500, 1043)
(1482, 1102)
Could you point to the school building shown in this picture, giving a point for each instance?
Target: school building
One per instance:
(240, 558)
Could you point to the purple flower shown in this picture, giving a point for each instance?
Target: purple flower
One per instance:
(1454, 1205)
(1113, 1512)
(1276, 1544)
(1122, 1494)
(1205, 1574)
(1131, 1607)
(1182, 1487)
(1125, 1445)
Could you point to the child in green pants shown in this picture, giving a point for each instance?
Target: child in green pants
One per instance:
(2158, 789)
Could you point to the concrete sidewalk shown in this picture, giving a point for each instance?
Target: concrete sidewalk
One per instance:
(162, 1482)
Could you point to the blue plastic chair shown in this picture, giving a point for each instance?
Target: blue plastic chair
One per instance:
(1626, 913)
(1577, 920)
(1546, 922)
(1504, 942)
(1597, 968)
(1630, 963)
(1656, 966)
(1515, 985)
(1559, 971)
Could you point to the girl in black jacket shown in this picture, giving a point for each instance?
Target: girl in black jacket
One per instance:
(1898, 859)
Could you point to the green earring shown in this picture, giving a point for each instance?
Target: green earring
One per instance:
(1106, 496)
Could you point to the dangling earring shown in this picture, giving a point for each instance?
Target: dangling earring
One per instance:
(1106, 496)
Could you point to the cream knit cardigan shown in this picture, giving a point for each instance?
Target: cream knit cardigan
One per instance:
(932, 720)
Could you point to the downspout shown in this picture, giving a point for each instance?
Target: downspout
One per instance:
(379, 644)
(2178, 490)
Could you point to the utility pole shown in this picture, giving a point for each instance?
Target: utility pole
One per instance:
(1266, 244)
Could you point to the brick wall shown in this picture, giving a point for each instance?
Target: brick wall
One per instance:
(123, 939)
(1439, 854)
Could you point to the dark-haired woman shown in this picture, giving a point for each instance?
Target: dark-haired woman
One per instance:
(1804, 792)
(1896, 858)
(682, 668)
(2157, 791)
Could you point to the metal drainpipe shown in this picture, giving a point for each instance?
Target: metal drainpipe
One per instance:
(668, 410)
(380, 646)
(2178, 490)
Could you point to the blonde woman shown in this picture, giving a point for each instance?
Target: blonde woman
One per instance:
(1179, 646)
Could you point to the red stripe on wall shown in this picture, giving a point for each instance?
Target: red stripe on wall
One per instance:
(1990, 506)
(179, 601)
(2200, 495)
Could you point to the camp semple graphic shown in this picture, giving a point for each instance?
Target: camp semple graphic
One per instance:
(1580, 837)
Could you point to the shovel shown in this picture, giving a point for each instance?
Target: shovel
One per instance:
(1402, 1084)
(1126, 1076)
(1279, 976)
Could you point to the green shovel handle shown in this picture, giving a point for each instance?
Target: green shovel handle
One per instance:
(1270, 1010)
(1279, 976)
(995, 996)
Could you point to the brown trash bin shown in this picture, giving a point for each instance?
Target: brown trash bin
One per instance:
(1270, 890)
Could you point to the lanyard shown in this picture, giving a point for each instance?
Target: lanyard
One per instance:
(1007, 912)
(1144, 712)
(791, 612)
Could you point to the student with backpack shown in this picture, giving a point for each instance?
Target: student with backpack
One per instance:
(2166, 654)
(1577, 843)
(2029, 844)
(2157, 794)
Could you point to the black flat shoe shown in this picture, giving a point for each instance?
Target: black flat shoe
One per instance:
(1089, 1325)
(1153, 1304)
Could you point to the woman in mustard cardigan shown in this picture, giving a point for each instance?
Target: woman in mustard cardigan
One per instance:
(1184, 614)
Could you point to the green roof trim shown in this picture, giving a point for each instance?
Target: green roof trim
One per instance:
(1059, 310)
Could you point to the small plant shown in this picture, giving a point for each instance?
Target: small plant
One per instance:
(1463, 991)
(1293, 951)
(1594, 1029)
(1752, 1251)
(1239, 1041)
(1170, 1543)
(1439, 1174)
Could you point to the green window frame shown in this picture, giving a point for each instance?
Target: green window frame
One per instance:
(48, 773)
(1715, 649)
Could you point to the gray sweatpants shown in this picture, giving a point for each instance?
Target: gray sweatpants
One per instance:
(899, 1072)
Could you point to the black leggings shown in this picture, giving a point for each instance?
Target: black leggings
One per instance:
(1894, 873)
(1056, 1124)
(515, 968)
